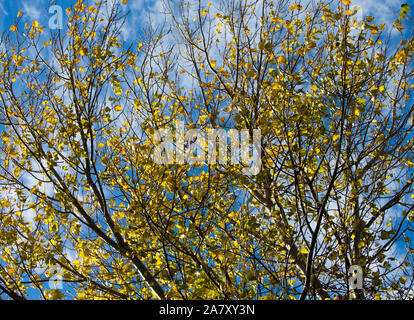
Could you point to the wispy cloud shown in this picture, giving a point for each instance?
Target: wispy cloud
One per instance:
(3, 10)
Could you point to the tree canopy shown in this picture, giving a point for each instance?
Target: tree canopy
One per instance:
(82, 192)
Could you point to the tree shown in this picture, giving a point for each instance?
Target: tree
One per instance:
(331, 96)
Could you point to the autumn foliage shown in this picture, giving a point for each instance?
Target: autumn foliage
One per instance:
(332, 96)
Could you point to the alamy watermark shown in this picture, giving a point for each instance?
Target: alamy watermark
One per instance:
(195, 146)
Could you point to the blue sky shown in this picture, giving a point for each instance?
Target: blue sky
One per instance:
(385, 12)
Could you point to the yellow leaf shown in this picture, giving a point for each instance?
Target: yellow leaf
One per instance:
(213, 63)
(369, 18)
(356, 112)
(346, 2)
(405, 8)
(281, 60)
(13, 28)
(5, 203)
(19, 14)
(19, 61)
(101, 145)
(335, 137)
(118, 107)
(124, 1)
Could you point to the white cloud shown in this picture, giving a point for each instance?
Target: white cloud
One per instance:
(32, 10)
